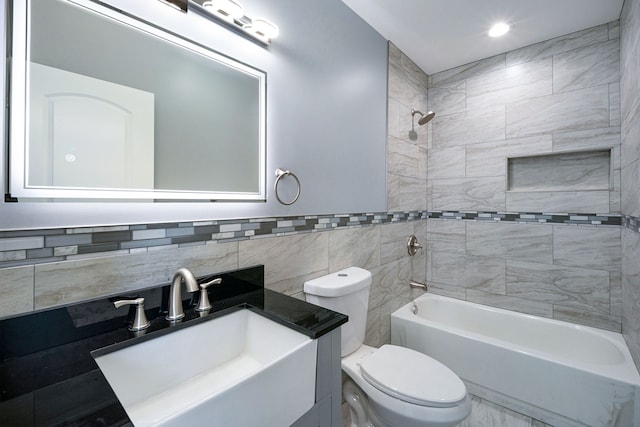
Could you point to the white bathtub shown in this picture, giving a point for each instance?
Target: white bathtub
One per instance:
(557, 372)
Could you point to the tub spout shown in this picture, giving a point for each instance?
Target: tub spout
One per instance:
(417, 285)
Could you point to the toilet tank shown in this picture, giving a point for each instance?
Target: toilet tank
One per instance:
(347, 292)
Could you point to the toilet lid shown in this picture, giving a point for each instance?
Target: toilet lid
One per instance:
(413, 377)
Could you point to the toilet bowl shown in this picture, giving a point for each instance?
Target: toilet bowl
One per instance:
(390, 386)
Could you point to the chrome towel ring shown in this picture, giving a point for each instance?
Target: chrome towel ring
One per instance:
(279, 175)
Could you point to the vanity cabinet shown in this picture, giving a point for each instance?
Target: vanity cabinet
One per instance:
(328, 408)
(48, 375)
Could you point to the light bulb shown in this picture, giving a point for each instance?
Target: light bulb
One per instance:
(499, 29)
(227, 9)
(264, 28)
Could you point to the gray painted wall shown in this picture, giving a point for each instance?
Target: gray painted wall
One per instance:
(326, 116)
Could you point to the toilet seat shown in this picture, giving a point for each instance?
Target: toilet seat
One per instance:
(413, 377)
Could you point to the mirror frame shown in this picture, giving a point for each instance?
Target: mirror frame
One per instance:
(19, 119)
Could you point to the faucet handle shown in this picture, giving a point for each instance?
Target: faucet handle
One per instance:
(140, 321)
(204, 304)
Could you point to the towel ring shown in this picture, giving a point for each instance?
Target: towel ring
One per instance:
(282, 173)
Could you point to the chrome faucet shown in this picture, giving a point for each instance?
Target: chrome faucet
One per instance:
(185, 276)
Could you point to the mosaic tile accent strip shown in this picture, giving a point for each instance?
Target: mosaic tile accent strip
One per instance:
(26, 247)
(528, 217)
(631, 222)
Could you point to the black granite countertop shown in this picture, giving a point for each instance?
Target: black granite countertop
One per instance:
(48, 376)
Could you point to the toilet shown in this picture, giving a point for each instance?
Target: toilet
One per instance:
(390, 386)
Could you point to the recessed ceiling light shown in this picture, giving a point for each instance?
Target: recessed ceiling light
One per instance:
(499, 29)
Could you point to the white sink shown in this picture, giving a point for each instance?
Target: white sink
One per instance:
(241, 369)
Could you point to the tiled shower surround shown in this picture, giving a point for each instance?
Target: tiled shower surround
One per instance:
(570, 255)
(558, 96)
(630, 114)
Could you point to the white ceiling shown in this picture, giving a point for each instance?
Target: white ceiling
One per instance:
(442, 34)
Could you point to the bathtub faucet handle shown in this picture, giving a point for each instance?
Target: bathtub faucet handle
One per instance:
(413, 245)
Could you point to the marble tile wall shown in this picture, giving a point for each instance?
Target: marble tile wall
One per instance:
(407, 157)
(557, 96)
(630, 118)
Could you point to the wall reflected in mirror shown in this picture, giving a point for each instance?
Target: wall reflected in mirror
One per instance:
(119, 108)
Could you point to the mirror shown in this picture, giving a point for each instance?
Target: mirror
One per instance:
(105, 106)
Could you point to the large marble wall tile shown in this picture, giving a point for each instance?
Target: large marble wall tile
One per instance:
(631, 292)
(631, 134)
(405, 158)
(588, 318)
(71, 281)
(393, 118)
(16, 288)
(510, 84)
(475, 272)
(408, 87)
(448, 99)
(448, 290)
(561, 112)
(510, 241)
(629, 48)
(462, 72)
(406, 193)
(608, 137)
(446, 163)
(508, 302)
(558, 45)
(446, 236)
(631, 189)
(469, 127)
(490, 158)
(354, 247)
(559, 201)
(615, 290)
(384, 284)
(615, 196)
(579, 288)
(288, 257)
(592, 247)
(593, 65)
(630, 113)
(615, 118)
(470, 194)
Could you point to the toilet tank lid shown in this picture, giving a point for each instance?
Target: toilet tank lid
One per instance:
(343, 282)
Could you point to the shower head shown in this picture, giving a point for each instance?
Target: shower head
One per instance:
(424, 118)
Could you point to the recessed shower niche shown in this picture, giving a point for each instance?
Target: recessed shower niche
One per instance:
(568, 171)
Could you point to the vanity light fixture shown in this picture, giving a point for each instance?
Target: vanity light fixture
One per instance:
(227, 10)
(499, 29)
(232, 14)
(177, 4)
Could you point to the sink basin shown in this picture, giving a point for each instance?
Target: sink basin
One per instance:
(241, 369)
